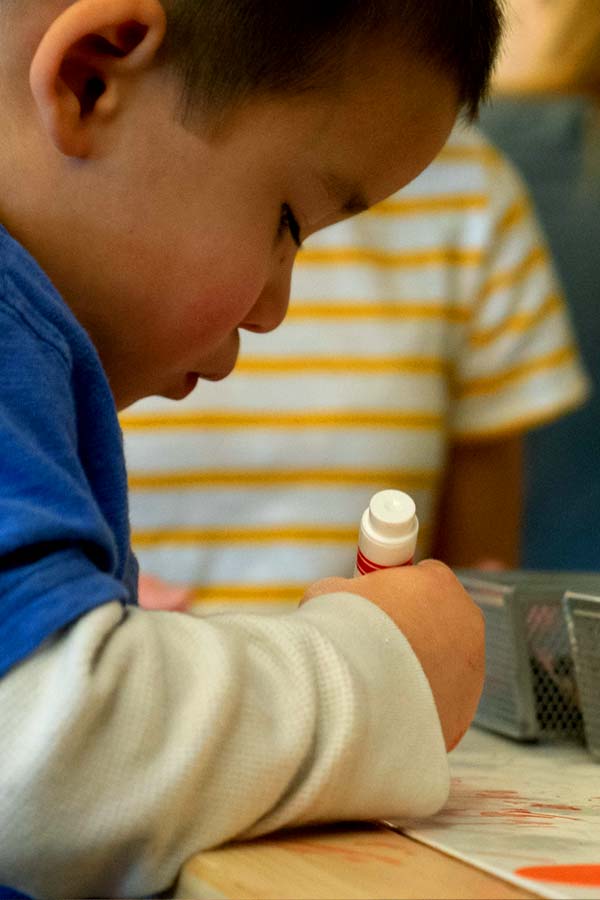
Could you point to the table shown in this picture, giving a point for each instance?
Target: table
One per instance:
(513, 808)
(345, 862)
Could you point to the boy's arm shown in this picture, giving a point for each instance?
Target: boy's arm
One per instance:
(479, 521)
(134, 739)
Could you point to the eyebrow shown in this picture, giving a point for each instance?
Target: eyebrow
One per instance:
(348, 195)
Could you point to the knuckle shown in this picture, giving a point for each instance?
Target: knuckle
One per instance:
(435, 564)
(327, 585)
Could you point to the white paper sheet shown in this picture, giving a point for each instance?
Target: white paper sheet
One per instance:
(515, 808)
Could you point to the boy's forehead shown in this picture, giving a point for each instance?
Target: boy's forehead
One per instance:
(384, 130)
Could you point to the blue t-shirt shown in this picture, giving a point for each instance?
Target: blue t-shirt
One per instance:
(64, 526)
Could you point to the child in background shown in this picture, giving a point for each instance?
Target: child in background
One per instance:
(546, 118)
(423, 338)
(160, 164)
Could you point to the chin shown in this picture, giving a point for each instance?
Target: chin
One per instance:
(183, 388)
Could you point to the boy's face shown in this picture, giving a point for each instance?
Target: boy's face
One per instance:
(176, 239)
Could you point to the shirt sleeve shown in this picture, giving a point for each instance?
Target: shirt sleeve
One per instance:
(518, 365)
(58, 556)
(136, 738)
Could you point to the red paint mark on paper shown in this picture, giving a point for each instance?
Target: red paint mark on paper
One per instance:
(516, 812)
(556, 806)
(460, 811)
(518, 820)
(585, 874)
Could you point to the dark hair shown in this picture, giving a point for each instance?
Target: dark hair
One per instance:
(226, 50)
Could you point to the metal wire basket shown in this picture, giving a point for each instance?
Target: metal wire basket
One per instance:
(582, 614)
(542, 654)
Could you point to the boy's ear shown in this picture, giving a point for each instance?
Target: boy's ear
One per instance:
(83, 62)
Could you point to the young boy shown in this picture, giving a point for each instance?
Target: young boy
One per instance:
(159, 166)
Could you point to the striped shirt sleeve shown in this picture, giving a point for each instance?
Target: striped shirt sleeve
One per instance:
(518, 364)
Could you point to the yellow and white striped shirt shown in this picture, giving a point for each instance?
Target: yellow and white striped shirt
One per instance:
(433, 318)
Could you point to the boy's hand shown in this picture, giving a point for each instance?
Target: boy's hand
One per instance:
(443, 626)
(154, 593)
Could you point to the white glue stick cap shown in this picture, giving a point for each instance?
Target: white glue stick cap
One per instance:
(389, 528)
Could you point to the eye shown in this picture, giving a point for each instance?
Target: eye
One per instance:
(288, 222)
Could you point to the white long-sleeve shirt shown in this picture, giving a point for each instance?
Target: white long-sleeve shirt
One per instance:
(134, 739)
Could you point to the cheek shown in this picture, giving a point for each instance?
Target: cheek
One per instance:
(204, 285)
(220, 304)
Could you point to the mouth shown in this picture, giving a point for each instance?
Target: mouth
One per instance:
(189, 382)
(215, 376)
(191, 379)
(227, 358)
(226, 365)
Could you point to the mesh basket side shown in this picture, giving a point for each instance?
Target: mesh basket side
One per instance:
(507, 703)
(582, 614)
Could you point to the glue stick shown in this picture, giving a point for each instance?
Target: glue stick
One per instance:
(388, 532)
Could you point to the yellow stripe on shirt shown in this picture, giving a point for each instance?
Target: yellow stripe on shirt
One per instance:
(493, 383)
(277, 534)
(514, 215)
(201, 478)
(536, 257)
(447, 312)
(520, 322)
(330, 419)
(264, 365)
(406, 206)
(150, 537)
(341, 256)
(487, 156)
(249, 593)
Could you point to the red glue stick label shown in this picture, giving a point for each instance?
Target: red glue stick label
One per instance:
(364, 565)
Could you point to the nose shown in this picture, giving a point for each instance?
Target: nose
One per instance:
(269, 310)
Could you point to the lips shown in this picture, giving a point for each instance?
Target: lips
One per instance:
(215, 368)
(191, 380)
(224, 361)
(216, 376)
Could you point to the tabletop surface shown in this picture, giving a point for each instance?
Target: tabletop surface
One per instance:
(513, 808)
(346, 862)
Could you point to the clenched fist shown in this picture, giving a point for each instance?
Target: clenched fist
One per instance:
(443, 626)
